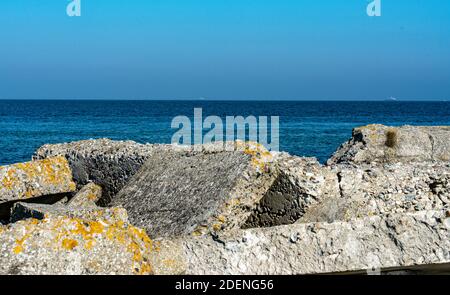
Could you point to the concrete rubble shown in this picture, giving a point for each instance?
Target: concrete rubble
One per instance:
(382, 202)
(379, 143)
(105, 162)
(369, 189)
(34, 179)
(62, 244)
(393, 241)
(87, 196)
(175, 194)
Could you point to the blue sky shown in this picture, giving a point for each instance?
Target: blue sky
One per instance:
(225, 49)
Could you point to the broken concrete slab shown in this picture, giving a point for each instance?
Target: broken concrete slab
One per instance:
(96, 243)
(300, 184)
(105, 162)
(87, 196)
(396, 241)
(381, 144)
(35, 179)
(372, 189)
(182, 193)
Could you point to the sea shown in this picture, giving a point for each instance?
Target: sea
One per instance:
(306, 128)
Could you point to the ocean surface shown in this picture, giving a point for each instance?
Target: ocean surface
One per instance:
(306, 128)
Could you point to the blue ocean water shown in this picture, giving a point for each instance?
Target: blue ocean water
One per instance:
(306, 128)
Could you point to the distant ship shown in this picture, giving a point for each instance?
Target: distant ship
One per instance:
(391, 99)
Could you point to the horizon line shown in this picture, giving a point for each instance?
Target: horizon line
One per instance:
(226, 100)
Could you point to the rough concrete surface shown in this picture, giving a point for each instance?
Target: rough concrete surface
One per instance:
(97, 243)
(87, 196)
(369, 190)
(35, 179)
(378, 242)
(176, 193)
(300, 184)
(379, 143)
(105, 162)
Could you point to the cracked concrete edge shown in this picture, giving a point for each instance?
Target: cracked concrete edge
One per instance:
(395, 241)
(87, 196)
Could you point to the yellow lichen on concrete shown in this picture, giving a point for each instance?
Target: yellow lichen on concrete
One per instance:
(69, 234)
(87, 196)
(10, 179)
(69, 244)
(261, 157)
(92, 197)
(36, 178)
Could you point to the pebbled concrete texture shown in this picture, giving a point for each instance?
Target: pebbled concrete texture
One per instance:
(105, 162)
(378, 242)
(73, 242)
(381, 144)
(87, 196)
(369, 189)
(35, 179)
(300, 184)
(177, 193)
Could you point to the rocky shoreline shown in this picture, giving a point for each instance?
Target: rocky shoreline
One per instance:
(381, 203)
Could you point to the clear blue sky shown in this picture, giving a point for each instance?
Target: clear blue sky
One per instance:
(225, 49)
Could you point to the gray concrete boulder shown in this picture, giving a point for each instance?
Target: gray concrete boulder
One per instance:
(301, 183)
(214, 190)
(35, 179)
(63, 240)
(105, 162)
(177, 193)
(369, 190)
(381, 144)
(392, 242)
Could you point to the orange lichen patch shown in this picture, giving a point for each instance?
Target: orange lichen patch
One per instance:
(92, 197)
(69, 234)
(34, 221)
(217, 226)
(10, 179)
(18, 249)
(56, 170)
(136, 241)
(145, 269)
(260, 155)
(221, 218)
(87, 196)
(89, 244)
(69, 244)
(32, 179)
(28, 233)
